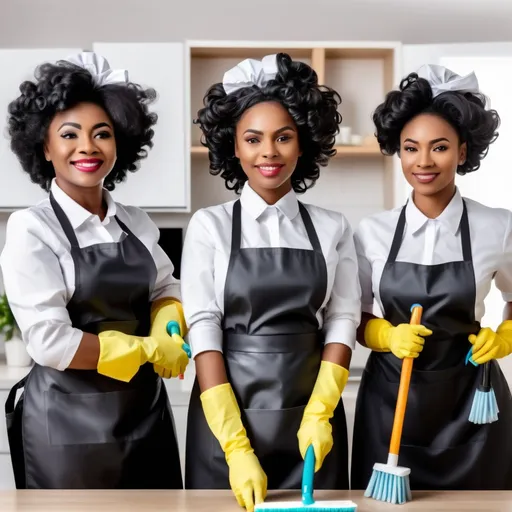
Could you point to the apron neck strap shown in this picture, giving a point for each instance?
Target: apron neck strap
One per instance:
(236, 227)
(310, 229)
(464, 235)
(236, 230)
(64, 222)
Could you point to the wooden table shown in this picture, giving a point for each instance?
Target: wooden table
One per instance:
(223, 501)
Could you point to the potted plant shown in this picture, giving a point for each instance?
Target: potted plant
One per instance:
(15, 349)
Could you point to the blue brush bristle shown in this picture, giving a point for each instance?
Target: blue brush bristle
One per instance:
(390, 488)
(485, 408)
(319, 506)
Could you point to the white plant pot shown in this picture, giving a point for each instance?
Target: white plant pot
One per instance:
(16, 353)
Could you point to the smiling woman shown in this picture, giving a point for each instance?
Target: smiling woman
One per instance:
(442, 251)
(91, 289)
(270, 289)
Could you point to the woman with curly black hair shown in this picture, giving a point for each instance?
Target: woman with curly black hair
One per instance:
(90, 288)
(442, 251)
(270, 289)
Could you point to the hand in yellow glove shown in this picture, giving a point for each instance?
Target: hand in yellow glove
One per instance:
(488, 344)
(315, 428)
(246, 477)
(121, 355)
(162, 312)
(404, 340)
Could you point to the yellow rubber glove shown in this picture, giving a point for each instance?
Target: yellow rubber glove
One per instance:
(315, 427)
(121, 355)
(488, 344)
(246, 477)
(162, 312)
(404, 340)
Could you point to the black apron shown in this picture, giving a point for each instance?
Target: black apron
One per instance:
(272, 352)
(441, 447)
(77, 429)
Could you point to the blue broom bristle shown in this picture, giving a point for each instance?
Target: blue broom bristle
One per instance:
(484, 408)
(388, 487)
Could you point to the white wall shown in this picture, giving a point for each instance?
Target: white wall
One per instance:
(26, 23)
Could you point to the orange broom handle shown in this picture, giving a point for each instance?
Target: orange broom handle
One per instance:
(403, 390)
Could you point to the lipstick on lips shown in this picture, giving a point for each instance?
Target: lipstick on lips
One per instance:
(427, 177)
(270, 170)
(87, 164)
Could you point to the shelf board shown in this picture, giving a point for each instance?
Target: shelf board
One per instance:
(368, 150)
(199, 150)
(248, 53)
(358, 53)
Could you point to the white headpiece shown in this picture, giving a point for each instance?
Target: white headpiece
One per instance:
(99, 68)
(250, 72)
(442, 79)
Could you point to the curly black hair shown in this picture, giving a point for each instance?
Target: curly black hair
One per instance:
(62, 85)
(312, 107)
(465, 111)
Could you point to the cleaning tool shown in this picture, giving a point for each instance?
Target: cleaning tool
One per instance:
(308, 502)
(121, 355)
(485, 407)
(173, 329)
(390, 482)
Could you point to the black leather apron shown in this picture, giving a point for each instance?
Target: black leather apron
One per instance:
(272, 351)
(79, 429)
(441, 447)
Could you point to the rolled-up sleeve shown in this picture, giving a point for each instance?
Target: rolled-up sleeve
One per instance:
(36, 291)
(202, 313)
(343, 310)
(503, 277)
(365, 272)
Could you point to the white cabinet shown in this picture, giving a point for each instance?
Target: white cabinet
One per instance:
(17, 191)
(6, 474)
(162, 181)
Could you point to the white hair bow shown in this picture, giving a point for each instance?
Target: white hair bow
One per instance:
(442, 79)
(250, 72)
(99, 68)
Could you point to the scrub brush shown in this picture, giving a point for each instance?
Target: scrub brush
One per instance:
(390, 482)
(173, 328)
(308, 503)
(485, 407)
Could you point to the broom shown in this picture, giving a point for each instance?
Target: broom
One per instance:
(390, 482)
(308, 502)
(485, 407)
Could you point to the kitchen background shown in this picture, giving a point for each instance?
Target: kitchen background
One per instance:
(360, 47)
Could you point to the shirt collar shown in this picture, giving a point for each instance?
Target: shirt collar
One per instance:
(450, 216)
(255, 205)
(77, 214)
